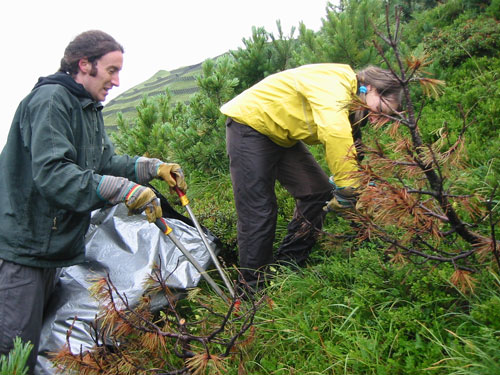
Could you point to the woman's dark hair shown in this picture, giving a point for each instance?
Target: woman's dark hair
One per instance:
(357, 134)
(92, 45)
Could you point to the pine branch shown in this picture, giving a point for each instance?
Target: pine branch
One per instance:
(407, 189)
(382, 234)
(433, 174)
(123, 331)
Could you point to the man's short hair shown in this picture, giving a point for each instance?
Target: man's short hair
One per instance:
(92, 45)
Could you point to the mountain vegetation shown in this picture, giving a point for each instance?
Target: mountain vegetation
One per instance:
(408, 283)
(180, 82)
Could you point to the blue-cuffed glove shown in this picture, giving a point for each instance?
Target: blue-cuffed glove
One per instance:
(344, 198)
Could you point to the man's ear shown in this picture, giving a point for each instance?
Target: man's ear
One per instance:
(84, 65)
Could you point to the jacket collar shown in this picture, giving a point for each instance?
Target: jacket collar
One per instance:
(74, 88)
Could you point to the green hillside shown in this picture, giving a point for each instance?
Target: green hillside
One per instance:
(181, 82)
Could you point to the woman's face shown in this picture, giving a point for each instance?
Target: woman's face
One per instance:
(378, 105)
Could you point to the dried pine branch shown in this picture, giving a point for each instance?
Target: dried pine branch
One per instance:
(131, 340)
(409, 197)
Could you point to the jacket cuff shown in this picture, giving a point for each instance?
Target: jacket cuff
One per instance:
(114, 189)
(146, 169)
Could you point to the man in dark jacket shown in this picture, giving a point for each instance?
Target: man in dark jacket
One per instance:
(57, 166)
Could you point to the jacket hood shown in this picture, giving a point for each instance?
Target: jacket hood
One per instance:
(65, 80)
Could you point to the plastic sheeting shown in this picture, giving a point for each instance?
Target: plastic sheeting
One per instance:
(126, 248)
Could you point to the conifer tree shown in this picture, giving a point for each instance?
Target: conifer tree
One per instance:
(197, 139)
(146, 135)
(412, 197)
(345, 36)
(253, 62)
(282, 49)
(264, 54)
(15, 362)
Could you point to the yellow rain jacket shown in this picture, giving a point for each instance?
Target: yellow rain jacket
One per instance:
(307, 103)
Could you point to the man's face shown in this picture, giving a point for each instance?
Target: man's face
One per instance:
(101, 77)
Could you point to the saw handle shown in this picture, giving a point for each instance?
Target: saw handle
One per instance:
(182, 196)
(179, 192)
(162, 224)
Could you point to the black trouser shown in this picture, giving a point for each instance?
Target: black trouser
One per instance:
(256, 163)
(24, 294)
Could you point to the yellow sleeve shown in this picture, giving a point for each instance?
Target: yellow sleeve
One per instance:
(339, 153)
(328, 98)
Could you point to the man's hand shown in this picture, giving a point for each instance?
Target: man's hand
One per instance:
(344, 198)
(141, 198)
(150, 168)
(136, 197)
(172, 174)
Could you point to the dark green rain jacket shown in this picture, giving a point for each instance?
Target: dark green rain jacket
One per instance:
(56, 152)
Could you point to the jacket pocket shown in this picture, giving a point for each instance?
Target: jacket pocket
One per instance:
(67, 237)
(37, 230)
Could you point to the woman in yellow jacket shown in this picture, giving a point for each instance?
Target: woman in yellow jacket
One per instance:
(267, 128)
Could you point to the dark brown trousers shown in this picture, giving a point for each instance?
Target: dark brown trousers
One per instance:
(256, 163)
